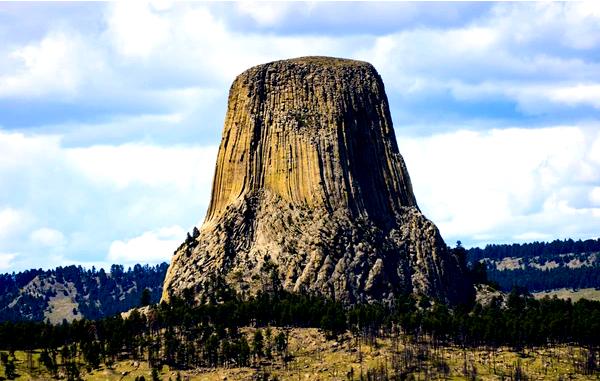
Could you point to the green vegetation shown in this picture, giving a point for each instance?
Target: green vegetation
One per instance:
(535, 249)
(312, 356)
(73, 292)
(542, 266)
(536, 280)
(181, 335)
(77, 292)
(274, 335)
(574, 295)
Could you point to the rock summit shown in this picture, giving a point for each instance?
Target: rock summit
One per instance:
(310, 194)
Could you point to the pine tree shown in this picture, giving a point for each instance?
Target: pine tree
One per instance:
(281, 343)
(10, 370)
(258, 343)
(244, 352)
(146, 298)
(155, 375)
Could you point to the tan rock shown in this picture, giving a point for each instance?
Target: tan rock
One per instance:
(311, 193)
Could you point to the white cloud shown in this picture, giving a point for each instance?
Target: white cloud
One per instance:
(502, 184)
(265, 14)
(6, 260)
(193, 39)
(12, 221)
(153, 58)
(9, 218)
(48, 237)
(147, 49)
(533, 236)
(150, 247)
(77, 201)
(510, 54)
(595, 196)
(54, 65)
(578, 94)
(20, 151)
(149, 165)
(135, 29)
(532, 98)
(146, 91)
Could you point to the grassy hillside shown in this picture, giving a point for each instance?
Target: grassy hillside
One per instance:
(312, 356)
(544, 338)
(73, 292)
(541, 266)
(574, 295)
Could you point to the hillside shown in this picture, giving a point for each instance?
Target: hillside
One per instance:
(310, 354)
(541, 266)
(289, 336)
(574, 295)
(73, 292)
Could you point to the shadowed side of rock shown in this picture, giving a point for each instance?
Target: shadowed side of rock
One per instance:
(315, 134)
(311, 194)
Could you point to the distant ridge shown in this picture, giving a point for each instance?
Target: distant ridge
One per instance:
(72, 292)
(541, 266)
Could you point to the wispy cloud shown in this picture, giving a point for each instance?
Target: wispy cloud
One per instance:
(77, 201)
(153, 246)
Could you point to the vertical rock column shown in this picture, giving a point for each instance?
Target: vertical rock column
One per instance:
(311, 190)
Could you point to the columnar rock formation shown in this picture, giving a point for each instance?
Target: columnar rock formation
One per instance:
(311, 194)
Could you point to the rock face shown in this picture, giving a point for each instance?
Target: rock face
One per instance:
(311, 194)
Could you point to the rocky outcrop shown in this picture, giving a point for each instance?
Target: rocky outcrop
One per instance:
(311, 194)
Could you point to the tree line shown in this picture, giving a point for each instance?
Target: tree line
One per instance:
(182, 334)
(98, 293)
(534, 249)
(542, 280)
(560, 252)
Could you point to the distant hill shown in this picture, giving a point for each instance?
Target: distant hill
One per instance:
(74, 292)
(541, 266)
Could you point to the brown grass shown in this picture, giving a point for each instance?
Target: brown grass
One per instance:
(316, 358)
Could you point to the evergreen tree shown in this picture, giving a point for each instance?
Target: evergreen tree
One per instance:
(244, 352)
(146, 298)
(10, 371)
(268, 343)
(281, 343)
(258, 343)
(155, 375)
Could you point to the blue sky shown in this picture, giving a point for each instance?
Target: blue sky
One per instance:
(111, 115)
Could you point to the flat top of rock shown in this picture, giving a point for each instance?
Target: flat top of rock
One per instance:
(318, 61)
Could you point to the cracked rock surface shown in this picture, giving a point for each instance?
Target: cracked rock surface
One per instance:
(311, 194)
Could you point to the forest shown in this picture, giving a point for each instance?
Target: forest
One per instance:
(183, 335)
(97, 293)
(558, 252)
(542, 280)
(534, 249)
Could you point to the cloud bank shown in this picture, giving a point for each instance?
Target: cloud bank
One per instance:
(111, 114)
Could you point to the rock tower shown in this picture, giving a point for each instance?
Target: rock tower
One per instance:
(311, 194)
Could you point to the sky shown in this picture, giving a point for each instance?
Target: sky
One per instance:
(111, 115)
